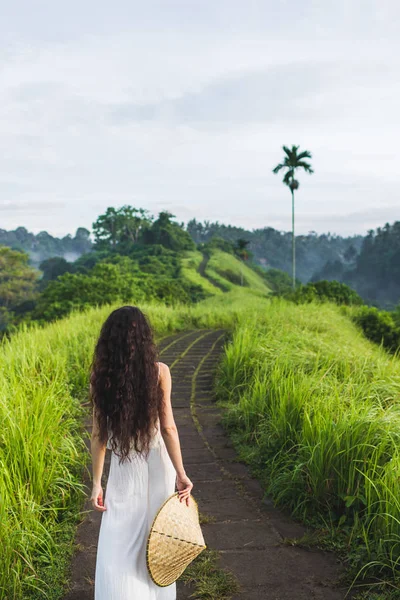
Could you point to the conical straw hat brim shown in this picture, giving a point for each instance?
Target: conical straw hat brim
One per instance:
(174, 541)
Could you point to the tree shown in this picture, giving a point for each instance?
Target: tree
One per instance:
(169, 234)
(120, 226)
(291, 162)
(18, 282)
(53, 267)
(241, 252)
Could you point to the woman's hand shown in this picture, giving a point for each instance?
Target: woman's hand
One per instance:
(97, 498)
(184, 487)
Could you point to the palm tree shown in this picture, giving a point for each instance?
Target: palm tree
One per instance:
(240, 250)
(291, 162)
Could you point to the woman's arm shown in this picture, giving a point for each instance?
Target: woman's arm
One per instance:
(170, 435)
(98, 451)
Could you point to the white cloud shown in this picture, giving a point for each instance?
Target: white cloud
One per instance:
(187, 105)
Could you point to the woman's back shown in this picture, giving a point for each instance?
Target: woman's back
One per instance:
(136, 489)
(132, 415)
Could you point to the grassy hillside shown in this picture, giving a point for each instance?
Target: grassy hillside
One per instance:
(191, 270)
(311, 404)
(219, 271)
(314, 408)
(229, 272)
(43, 377)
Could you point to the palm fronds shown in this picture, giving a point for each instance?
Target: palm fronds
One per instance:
(293, 161)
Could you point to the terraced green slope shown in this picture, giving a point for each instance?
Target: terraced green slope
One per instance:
(192, 269)
(229, 271)
(219, 272)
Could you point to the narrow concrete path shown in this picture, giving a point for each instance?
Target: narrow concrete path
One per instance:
(245, 529)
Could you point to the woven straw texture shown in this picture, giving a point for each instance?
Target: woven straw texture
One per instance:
(175, 539)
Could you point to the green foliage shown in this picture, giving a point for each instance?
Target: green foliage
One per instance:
(43, 375)
(43, 245)
(313, 407)
(227, 270)
(87, 261)
(105, 283)
(120, 228)
(375, 271)
(291, 162)
(379, 326)
(117, 277)
(279, 281)
(157, 259)
(55, 266)
(325, 291)
(272, 248)
(396, 315)
(166, 232)
(192, 265)
(217, 243)
(18, 283)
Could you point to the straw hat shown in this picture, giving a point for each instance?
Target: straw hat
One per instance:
(175, 539)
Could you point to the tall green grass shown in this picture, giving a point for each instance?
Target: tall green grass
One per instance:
(43, 378)
(314, 407)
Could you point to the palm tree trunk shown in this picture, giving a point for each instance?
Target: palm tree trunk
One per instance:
(293, 245)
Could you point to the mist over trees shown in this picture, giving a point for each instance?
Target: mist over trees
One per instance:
(133, 255)
(369, 264)
(273, 249)
(374, 271)
(269, 247)
(42, 245)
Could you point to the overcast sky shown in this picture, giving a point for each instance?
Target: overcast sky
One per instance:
(184, 106)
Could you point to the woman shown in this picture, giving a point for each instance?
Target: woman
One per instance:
(132, 416)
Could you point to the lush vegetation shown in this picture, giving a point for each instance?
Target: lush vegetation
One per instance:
(134, 258)
(311, 403)
(227, 271)
(293, 161)
(374, 272)
(325, 291)
(18, 284)
(43, 377)
(369, 264)
(273, 249)
(42, 246)
(313, 407)
(380, 326)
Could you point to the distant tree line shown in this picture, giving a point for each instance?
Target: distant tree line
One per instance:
(48, 289)
(134, 257)
(43, 245)
(374, 271)
(269, 247)
(273, 249)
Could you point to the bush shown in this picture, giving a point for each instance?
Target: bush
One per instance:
(326, 291)
(279, 281)
(379, 326)
(217, 243)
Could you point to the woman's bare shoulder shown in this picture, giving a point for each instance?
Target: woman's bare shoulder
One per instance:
(164, 369)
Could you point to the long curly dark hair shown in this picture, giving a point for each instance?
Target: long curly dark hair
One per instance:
(124, 382)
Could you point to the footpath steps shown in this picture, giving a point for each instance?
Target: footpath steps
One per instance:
(246, 529)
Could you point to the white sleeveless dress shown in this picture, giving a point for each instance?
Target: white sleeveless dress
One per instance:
(135, 491)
